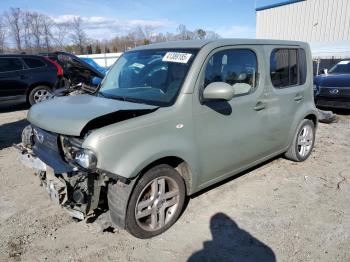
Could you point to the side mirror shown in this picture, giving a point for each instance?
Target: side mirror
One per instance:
(324, 71)
(218, 91)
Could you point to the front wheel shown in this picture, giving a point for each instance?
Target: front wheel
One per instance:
(156, 202)
(303, 142)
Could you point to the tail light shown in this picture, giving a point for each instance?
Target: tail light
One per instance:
(58, 67)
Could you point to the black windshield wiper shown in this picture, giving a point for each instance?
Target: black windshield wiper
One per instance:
(122, 98)
(134, 100)
(101, 94)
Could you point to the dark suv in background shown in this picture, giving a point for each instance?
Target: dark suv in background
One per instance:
(27, 78)
(332, 89)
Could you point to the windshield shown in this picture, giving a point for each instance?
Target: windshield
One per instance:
(152, 77)
(342, 67)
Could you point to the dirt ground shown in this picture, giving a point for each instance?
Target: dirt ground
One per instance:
(279, 211)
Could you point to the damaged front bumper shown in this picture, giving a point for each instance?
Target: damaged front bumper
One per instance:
(77, 191)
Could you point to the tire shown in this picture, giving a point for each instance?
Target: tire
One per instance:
(303, 142)
(152, 205)
(38, 94)
(27, 136)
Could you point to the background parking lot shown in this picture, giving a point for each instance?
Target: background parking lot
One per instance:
(279, 211)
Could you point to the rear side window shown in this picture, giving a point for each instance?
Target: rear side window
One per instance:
(34, 62)
(287, 67)
(10, 64)
(237, 67)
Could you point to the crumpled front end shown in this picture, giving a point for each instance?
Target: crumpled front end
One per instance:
(79, 191)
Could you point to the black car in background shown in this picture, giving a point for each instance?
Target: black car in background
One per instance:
(27, 78)
(332, 89)
(76, 70)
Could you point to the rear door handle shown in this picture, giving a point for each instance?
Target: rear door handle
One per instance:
(259, 106)
(298, 97)
(22, 76)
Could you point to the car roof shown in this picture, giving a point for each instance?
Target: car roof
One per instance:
(198, 44)
(20, 56)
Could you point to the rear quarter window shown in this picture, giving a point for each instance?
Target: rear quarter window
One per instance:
(288, 67)
(34, 62)
(10, 64)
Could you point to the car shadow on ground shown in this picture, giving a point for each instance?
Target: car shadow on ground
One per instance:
(231, 243)
(339, 111)
(10, 133)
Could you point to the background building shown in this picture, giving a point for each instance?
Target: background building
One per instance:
(325, 24)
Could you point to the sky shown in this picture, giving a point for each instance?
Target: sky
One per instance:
(105, 19)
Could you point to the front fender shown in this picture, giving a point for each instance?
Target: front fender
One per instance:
(127, 153)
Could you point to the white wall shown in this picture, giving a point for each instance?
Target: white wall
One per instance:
(310, 21)
(104, 60)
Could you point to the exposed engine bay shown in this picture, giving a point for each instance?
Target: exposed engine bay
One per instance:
(78, 76)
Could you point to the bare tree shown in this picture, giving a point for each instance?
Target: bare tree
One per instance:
(36, 29)
(2, 35)
(26, 27)
(60, 33)
(13, 19)
(211, 35)
(184, 33)
(78, 35)
(47, 24)
(200, 33)
(148, 31)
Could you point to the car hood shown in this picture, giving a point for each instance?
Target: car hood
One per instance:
(341, 80)
(73, 115)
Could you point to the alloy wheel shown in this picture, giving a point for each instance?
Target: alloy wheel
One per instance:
(157, 203)
(305, 140)
(41, 95)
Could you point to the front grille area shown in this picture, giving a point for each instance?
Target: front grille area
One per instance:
(332, 103)
(335, 91)
(46, 148)
(46, 139)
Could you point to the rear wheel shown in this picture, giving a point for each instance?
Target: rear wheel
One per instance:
(156, 202)
(38, 94)
(303, 142)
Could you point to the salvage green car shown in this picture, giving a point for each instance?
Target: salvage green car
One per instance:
(169, 120)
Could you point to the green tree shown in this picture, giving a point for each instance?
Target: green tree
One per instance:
(200, 33)
(89, 49)
(98, 49)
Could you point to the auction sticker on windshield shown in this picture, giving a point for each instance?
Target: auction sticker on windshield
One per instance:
(177, 57)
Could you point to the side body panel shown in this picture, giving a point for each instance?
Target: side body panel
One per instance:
(127, 147)
(232, 134)
(195, 133)
(14, 83)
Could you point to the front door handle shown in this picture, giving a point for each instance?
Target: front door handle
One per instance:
(259, 106)
(298, 97)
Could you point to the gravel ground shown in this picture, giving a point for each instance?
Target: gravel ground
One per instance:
(279, 211)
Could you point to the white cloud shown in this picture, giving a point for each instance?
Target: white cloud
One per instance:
(105, 28)
(236, 31)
